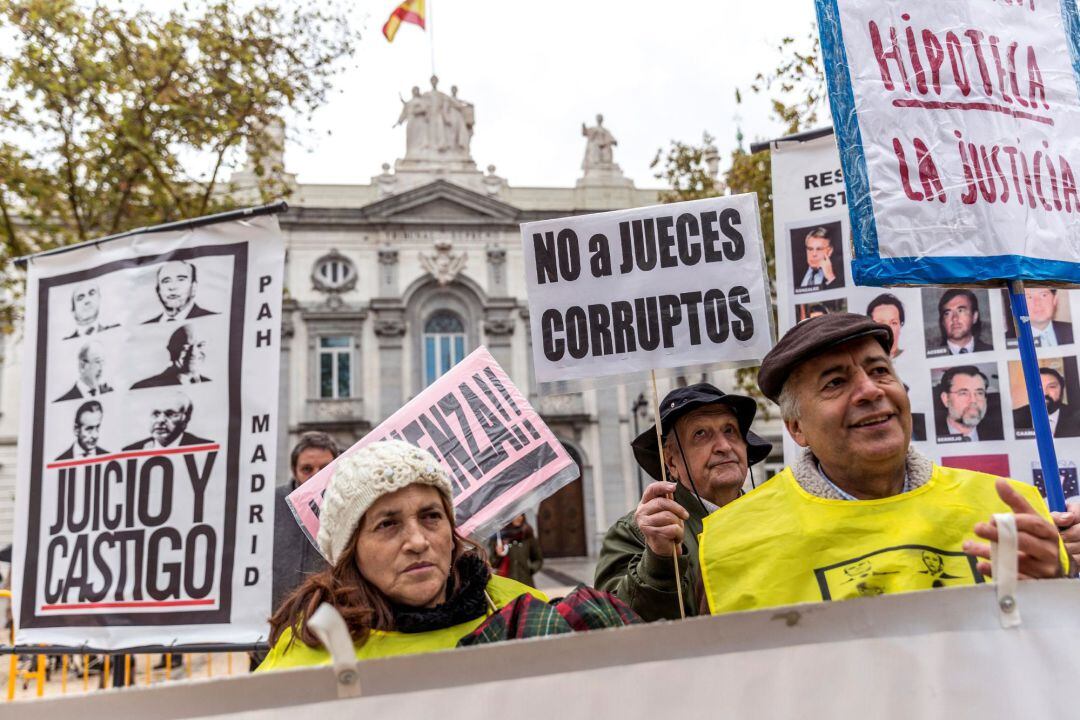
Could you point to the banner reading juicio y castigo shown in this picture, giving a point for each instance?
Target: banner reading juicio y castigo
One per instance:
(147, 439)
(959, 130)
(501, 457)
(669, 286)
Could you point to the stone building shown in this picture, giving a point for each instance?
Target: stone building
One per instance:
(391, 282)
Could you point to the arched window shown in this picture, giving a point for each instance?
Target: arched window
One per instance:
(444, 344)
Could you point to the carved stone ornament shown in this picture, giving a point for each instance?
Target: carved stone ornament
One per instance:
(389, 328)
(496, 255)
(444, 264)
(499, 326)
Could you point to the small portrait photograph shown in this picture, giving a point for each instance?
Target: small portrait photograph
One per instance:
(89, 369)
(1060, 384)
(176, 285)
(821, 307)
(1050, 314)
(990, 464)
(968, 407)
(1070, 484)
(167, 421)
(887, 309)
(918, 421)
(86, 311)
(88, 419)
(817, 257)
(962, 323)
(187, 355)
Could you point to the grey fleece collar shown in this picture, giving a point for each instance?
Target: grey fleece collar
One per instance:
(919, 468)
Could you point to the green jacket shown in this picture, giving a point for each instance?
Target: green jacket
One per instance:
(523, 558)
(628, 569)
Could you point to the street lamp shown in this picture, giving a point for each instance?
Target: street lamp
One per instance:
(640, 406)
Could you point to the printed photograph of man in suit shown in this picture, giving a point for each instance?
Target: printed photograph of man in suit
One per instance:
(177, 282)
(186, 357)
(89, 383)
(85, 307)
(959, 324)
(169, 420)
(87, 430)
(1044, 304)
(1064, 420)
(967, 410)
(817, 260)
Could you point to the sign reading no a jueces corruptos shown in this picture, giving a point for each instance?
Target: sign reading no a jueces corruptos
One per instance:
(629, 291)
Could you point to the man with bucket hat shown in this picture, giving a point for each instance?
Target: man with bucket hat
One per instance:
(708, 447)
(860, 512)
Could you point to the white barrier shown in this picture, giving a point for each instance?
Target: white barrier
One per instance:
(939, 653)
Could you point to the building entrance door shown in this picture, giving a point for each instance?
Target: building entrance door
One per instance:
(560, 520)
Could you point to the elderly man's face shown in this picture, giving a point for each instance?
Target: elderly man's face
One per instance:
(169, 421)
(88, 429)
(714, 448)
(91, 363)
(854, 411)
(1042, 304)
(889, 315)
(191, 355)
(958, 317)
(175, 286)
(965, 401)
(818, 251)
(85, 303)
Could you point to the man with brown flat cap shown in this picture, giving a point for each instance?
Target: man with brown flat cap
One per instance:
(860, 512)
(708, 447)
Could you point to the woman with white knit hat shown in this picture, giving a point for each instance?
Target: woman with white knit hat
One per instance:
(402, 577)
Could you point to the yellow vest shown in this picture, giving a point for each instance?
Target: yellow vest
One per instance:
(382, 643)
(780, 545)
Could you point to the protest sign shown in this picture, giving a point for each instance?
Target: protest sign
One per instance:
(957, 126)
(669, 286)
(810, 205)
(147, 438)
(500, 455)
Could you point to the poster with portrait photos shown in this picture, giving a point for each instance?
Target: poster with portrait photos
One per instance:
(148, 425)
(954, 348)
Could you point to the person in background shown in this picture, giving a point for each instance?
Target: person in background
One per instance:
(515, 552)
(295, 558)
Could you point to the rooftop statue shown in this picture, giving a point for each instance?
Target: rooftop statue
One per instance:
(437, 125)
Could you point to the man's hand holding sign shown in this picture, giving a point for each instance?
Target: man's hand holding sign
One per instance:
(1039, 542)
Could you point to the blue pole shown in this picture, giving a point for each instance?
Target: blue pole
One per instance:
(1044, 438)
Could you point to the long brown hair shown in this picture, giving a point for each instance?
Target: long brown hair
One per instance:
(363, 606)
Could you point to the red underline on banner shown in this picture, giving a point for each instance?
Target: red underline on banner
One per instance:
(134, 453)
(129, 604)
(943, 105)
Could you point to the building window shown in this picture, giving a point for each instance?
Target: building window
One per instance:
(334, 273)
(335, 367)
(444, 344)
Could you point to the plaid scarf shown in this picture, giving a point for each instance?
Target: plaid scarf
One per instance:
(526, 616)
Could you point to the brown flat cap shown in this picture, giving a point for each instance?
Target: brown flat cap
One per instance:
(809, 338)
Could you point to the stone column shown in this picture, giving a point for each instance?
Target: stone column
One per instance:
(390, 333)
(496, 258)
(499, 326)
(288, 330)
(388, 271)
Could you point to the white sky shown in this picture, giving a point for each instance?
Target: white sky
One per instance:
(536, 70)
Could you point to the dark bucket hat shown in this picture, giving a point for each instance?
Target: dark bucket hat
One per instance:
(682, 400)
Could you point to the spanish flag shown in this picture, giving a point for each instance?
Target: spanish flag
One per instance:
(410, 11)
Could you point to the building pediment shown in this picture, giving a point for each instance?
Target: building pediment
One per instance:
(441, 201)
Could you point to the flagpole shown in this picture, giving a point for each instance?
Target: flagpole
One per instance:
(431, 34)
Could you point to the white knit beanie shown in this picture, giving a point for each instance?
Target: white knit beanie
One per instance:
(365, 476)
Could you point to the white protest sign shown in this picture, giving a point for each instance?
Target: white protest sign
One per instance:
(992, 434)
(959, 130)
(629, 291)
(144, 496)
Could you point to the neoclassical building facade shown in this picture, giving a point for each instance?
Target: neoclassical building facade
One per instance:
(391, 282)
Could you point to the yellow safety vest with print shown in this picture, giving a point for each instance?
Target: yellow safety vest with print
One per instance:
(780, 545)
(382, 643)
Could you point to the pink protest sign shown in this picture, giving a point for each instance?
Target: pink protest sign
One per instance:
(500, 455)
